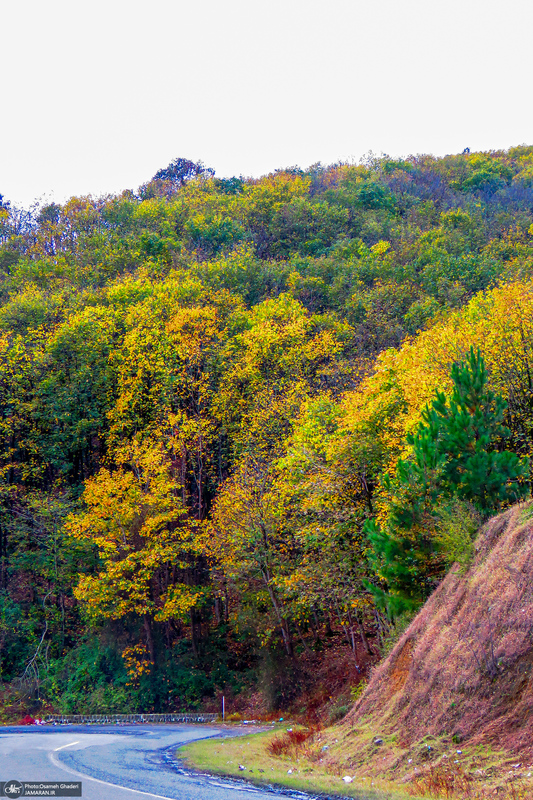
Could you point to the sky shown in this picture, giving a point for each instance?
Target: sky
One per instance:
(97, 96)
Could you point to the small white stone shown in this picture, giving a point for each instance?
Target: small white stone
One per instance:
(347, 779)
(289, 772)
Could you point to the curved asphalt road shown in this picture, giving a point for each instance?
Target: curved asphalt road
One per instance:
(117, 762)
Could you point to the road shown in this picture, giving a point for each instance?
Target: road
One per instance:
(119, 762)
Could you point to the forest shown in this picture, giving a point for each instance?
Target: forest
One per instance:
(246, 425)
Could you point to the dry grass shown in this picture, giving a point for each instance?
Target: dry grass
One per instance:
(456, 784)
(464, 667)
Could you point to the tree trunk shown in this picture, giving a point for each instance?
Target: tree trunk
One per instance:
(285, 632)
(368, 651)
(3, 557)
(149, 638)
(194, 636)
(226, 605)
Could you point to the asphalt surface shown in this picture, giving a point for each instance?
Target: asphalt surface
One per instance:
(118, 762)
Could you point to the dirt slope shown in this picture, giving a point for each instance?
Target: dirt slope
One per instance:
(463, 670)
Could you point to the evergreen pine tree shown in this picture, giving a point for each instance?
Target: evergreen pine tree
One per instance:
(457, 453)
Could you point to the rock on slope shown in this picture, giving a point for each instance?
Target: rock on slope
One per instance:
(464, 667)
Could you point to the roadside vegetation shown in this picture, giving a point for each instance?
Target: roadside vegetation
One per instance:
(297, 764)
(319, 761)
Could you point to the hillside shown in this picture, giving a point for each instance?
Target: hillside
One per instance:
(458, 685)
(240, 420)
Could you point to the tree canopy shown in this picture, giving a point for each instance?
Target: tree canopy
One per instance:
(249, 417)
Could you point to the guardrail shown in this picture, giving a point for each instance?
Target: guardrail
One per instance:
(110, 719)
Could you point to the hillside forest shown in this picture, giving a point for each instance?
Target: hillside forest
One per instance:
(246, 425)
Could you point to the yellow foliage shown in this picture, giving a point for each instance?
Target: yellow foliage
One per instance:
(136, 661)
(388, 403)
(136, 519)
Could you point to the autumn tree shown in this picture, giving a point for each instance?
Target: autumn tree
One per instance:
(135, 518)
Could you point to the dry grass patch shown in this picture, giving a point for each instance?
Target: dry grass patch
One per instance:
(453, 783)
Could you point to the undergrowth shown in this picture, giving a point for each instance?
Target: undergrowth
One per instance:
(291, 742)
(455, 784)
(396, 630)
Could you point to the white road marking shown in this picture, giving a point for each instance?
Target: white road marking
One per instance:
(58, 764)
(65, 745)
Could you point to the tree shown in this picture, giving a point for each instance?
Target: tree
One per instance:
(457, 453)
(469, 432)
(326, 496)
(135, 518)
(250, 542)
(168, 180)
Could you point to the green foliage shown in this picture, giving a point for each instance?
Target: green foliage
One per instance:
(395, 630)
(92, 678)
(454, 458)
(467, 430)
(16, 635)
(357, 691)
(457, 524)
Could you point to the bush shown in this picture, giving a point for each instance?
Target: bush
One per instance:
(291, 742)
(458, 523)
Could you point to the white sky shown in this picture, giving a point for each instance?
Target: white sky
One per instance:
(97, 95)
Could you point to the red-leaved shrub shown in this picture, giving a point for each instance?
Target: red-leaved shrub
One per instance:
(290, 742)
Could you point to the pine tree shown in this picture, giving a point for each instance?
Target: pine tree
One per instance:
(457, 454)
(471, 435)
